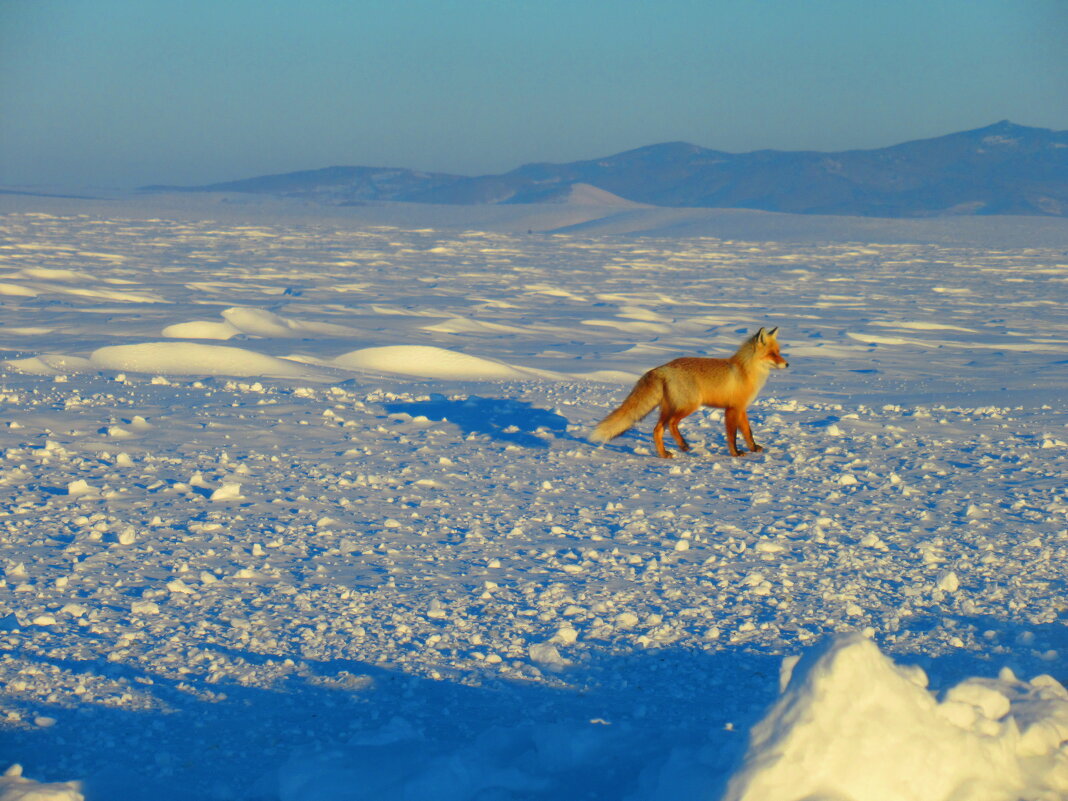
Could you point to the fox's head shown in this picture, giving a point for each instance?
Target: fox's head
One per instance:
(767, 349)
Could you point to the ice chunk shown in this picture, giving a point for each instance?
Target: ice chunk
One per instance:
(79, 487)
(948, 581)
(546, 655)
(227, 492)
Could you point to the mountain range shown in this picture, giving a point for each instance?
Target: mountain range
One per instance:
(999, 169)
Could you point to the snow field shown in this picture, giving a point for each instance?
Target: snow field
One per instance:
(363, 550)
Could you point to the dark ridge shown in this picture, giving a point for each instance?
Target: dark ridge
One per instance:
(1002, 168)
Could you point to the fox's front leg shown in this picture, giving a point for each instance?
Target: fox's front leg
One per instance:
(743, 421)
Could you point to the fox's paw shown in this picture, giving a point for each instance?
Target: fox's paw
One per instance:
(758, 448)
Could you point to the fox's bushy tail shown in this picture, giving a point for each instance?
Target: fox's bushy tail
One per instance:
(645, 397)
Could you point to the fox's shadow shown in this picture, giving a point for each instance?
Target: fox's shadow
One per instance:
(503, 419)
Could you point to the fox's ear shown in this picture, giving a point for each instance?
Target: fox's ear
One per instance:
(760, 336)
(773, 331)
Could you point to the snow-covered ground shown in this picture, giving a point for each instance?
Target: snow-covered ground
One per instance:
(302, 509)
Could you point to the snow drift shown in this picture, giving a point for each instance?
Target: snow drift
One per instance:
(16, 787)
(189, 358)
(853, 726)
(256, 323)
(431, 362)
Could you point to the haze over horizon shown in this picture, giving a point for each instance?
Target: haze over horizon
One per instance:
(117, 93)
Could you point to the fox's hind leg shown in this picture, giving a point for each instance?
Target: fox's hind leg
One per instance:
(658, 432)
(731, 418)
(743, 423)
(673, 426)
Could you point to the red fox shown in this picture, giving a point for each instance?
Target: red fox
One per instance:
(682, 386)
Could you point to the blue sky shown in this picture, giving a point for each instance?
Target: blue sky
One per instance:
(130, 92)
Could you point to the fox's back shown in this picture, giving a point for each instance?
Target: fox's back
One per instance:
(708, 382)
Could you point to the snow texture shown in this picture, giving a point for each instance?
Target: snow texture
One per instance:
(301, 507)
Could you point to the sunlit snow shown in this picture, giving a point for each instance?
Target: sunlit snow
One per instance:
(302, 507)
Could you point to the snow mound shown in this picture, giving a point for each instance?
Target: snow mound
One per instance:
(17, 290)
(49, 364)
(853, 726)
(429, 362)
(200, 329)
(51, 274)
(581, 194)
(255, 323)
(187, 358)
(15, 787)
(262, 323)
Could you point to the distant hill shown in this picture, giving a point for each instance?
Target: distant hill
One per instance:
(1000, 169)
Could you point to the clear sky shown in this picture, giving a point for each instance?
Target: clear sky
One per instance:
(130, 92)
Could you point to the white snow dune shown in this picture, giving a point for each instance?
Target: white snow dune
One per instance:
(301, 507)
(851, 724)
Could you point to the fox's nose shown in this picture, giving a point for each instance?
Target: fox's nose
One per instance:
(785, 363)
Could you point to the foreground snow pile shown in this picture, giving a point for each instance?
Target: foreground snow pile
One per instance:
(853, 726)
(15, 787)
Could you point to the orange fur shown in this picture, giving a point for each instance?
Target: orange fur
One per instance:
(682, 386)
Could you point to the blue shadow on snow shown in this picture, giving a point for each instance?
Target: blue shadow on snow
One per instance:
(503, 419)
